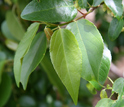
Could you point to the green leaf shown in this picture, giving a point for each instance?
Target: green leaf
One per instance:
(104, 69)
(82, 3)
(2, 63)
(6, 31)
(67, 60)
(22, 49)
(5, 89)
(91, 45)
(14, 25)
(97, 2)
(50, 11)
(115, 28)
(118, 86)
(91, 88)
(52, 75)
(115, 6)
(33, 57)
(105, 102)
(103, 94)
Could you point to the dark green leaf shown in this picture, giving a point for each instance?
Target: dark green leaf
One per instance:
(6, 32)
(118, 86)
(53, 77)
(115, 28)
(91, 45)
(22, 49)
(82, 3)
(115, 6)
(14, 25)
(67, 60)
(50, 11)
(5, 89)
(27, 101)
(2, 63)
(105, 102)
(97, 2)
(33, 57)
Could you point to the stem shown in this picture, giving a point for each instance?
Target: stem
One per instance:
(102, 85)
(110, 80)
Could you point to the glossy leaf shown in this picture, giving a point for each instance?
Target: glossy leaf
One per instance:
(33, 57)
(118, 86)
(115, 6)
(103, 94)
(22, 49)
(82, 3)
(91, 45)
(14, 25)
(6, 31)
(50, 11)
(97, 2)
(51, 73)
(115, 28)
(5, 89)
(66, 58)
(105, 102)
(11, 44)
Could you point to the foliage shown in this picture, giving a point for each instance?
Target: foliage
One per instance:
(76, 57)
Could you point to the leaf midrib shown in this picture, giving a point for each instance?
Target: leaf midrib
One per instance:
(66, 61)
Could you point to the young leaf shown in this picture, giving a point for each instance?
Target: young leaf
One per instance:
(33, 57)
(91, 45)
(5, 89)
(118, 86)
(52, 75)
(67, 60)
(14, 25)
(22, 49)
(50, 11)
(105, 102)
(103, 94)
(97, 2)
(115, 28)
(115, 6)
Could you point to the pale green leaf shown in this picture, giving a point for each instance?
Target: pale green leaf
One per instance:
(14, 25)
(22, 49)
(67, 60)
(115, 6)
(50, 11)
(91, 45)
(118, 86)
(5, 89)
(105, 102)
(104, 69)
(11, 44)
(51, 73)
(33, 57)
